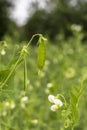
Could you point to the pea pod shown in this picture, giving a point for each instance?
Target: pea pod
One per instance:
(41, 53)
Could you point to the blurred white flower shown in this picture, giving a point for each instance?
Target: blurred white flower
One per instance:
(35, 121)
(9, 104)
(6, 104)
(51, 98)
(24, 99)
(49, 85)
(53, 108)
(57, 102)
(12, 105)
(77, 28)
(3, 52)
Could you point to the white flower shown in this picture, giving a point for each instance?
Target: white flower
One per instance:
(51, 98)
(58, 102)
(53, 107)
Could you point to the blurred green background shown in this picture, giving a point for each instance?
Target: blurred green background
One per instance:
(55, 17)
(64, 23)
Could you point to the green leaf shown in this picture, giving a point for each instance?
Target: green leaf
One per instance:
(4, 74)
(73, 98)
(76, 90)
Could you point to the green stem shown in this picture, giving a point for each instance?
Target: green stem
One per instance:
(25, 73)
(33, 38)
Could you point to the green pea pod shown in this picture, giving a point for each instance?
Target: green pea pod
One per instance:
(41, 53)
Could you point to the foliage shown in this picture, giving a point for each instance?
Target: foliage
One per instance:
(24, 92)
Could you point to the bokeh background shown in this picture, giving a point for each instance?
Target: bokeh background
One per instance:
(24, 18)
(64, 24)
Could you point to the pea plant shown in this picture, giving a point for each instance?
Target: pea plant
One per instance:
(22, 58)
(69, 108)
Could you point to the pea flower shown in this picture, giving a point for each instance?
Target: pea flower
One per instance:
(57, 103)
(51, 98)
(53, 108)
